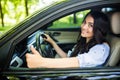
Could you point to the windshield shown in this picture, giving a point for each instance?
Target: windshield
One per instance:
(11, 24)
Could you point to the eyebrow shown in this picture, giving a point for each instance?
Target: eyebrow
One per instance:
(90, 22)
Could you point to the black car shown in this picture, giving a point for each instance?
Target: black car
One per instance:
(62, 22)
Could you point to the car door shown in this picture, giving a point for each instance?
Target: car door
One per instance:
(64, 37)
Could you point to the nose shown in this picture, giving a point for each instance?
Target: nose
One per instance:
(85, 26)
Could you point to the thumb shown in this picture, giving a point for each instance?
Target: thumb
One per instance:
(34, 51)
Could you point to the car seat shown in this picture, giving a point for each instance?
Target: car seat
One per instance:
(114, 40)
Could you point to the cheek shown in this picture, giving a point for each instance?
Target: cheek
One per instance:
(91, 32)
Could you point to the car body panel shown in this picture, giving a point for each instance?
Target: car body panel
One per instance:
(40, 21)
(74, 73)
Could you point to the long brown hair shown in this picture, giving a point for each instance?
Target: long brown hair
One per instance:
(100, 29)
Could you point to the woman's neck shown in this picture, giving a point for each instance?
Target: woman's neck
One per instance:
(88, 39)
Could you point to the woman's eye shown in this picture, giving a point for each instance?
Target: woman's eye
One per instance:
(90, 25)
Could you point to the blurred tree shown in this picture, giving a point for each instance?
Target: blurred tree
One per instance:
(1, 14)
(74, 18)
(26, 7)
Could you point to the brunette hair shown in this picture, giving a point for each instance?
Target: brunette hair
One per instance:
(100, 29)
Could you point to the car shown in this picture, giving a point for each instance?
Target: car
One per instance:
(62, 22)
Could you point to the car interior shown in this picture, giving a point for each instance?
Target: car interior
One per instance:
(114, 39)
(66, 39)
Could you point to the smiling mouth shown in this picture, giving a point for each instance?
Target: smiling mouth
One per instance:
(84, 32)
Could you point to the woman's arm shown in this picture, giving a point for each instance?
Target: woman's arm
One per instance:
(35, 60)
(60, 62)
(56, 47)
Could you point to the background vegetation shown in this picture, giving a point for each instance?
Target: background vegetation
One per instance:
(14, 11)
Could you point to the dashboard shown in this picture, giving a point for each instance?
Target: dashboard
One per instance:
(23, 47)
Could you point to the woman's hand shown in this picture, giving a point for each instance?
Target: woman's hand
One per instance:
(49, 39)
(59, 51)
(34, 59)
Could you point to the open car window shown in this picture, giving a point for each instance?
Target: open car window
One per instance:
(64, 31)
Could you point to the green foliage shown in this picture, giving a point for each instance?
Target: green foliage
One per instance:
(68, 21)
(13, 12)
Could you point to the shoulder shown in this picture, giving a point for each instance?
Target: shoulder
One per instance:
(103, 46)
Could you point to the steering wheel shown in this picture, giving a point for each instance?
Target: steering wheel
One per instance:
(43, 47)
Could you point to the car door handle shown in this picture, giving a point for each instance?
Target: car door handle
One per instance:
(56, 33)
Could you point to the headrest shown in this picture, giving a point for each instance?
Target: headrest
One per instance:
(115, 23)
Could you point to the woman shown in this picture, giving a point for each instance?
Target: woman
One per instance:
(91, 49)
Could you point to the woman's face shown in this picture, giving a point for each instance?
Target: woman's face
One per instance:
(87, 27)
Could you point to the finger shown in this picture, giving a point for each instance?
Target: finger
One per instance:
(28, 58)
(28, 55)
(46, 36)
(34, 51)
